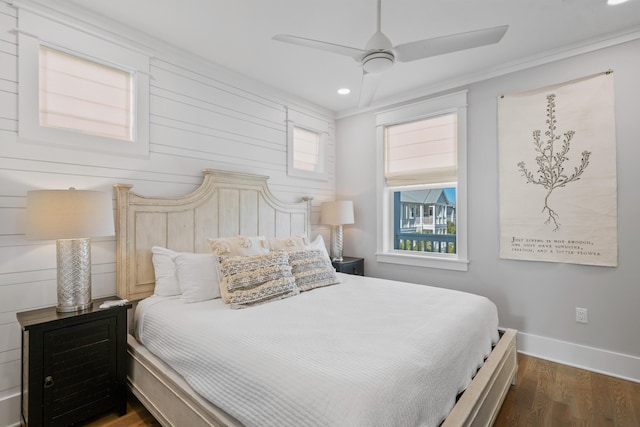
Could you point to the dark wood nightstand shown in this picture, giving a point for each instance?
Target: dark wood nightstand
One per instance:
(73, 364)
(350, 265)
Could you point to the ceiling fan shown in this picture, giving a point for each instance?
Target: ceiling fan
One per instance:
(379, 54)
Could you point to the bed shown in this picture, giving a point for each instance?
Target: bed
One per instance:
(230, 204)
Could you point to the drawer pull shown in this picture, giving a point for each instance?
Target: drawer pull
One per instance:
(48, 382)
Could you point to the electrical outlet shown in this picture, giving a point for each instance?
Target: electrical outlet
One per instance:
(582, 315)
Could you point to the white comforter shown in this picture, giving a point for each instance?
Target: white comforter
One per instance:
(366, 352)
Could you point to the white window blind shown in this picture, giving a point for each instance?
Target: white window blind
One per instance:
(85, 96)
(421, 152)
(307, 145)
(306, 150)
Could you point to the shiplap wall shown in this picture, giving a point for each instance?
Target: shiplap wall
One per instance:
(201, 117)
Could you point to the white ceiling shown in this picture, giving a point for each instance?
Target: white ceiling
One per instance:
(238, 35)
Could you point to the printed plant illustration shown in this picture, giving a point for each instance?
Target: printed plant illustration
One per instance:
(551, 171)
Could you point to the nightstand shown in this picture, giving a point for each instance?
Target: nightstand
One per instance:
(350, 265)
(73, 364)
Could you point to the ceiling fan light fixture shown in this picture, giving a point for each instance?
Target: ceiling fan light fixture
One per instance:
(380, 54)
(377, 62)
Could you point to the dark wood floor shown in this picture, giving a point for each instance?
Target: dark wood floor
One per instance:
(547, 394)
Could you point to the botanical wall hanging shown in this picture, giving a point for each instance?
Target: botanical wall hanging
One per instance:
(558, 194)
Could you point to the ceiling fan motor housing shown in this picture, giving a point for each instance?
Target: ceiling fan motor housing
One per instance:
(377, 62)
(380, 54)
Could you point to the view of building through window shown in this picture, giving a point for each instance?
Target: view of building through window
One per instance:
(425, 220)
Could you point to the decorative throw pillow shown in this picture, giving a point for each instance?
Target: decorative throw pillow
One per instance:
(197, 276)
(165, 272)
(256, 279)
(239, 245)
(312, 269)
(291, 243)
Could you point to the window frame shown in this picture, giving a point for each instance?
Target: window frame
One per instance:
(296, 119)
(451, 103)
(36, 30)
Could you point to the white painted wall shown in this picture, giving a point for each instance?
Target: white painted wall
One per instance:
(202, 116)
(537, 298)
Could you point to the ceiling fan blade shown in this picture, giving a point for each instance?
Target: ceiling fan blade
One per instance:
(326, 46)
(368, 88)
(446, 44)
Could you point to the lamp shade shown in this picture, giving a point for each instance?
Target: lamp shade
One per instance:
(68, 214)
(336, 213)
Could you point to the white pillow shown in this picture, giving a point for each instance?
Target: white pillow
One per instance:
(197, 276)
(318, 244)
(165, 272)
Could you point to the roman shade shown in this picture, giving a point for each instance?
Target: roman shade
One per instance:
(422, 151)
(86, 96)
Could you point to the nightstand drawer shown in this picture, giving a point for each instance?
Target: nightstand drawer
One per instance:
(350, 265)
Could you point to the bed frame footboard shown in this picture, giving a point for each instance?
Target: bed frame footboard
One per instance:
(481, 401)
(173, 403)
(166, 395)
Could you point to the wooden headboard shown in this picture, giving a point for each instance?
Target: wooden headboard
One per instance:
(225, 204)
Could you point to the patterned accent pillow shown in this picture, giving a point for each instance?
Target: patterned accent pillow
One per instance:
(239, 245)
(312, 269)
(257, 279)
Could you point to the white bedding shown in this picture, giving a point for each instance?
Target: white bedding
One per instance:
(366, 352)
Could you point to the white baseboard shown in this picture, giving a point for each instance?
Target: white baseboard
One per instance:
(606, 362)
(10, 409)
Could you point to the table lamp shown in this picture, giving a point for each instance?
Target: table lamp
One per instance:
(71, 217)
(336, 214)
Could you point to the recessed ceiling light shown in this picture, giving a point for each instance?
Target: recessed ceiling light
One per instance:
(344, 91)
(615, 2)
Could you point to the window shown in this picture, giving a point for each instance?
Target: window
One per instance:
(306, 146)
(306, 150)
(81, 89)
(422, 183)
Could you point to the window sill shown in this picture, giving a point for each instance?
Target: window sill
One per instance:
(429, 261)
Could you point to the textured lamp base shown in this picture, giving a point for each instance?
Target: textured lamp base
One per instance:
(336, 243)
(74, 274)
